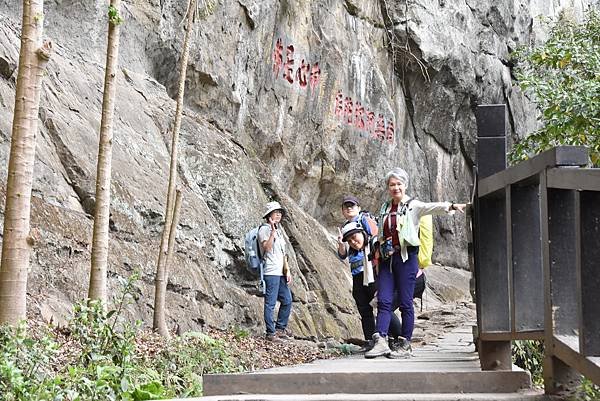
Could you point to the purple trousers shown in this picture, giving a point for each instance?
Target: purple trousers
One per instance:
(401, 278)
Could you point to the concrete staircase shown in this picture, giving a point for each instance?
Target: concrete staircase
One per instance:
(521, 396)
(446, 370)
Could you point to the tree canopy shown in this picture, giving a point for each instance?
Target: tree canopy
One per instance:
(562, 76)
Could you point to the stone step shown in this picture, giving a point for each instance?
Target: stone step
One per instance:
(528, 395)
(368, 381)
(448, 370)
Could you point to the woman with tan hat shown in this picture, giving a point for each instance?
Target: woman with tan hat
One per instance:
(273, 245)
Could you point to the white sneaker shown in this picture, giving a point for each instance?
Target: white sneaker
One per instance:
(380, 348)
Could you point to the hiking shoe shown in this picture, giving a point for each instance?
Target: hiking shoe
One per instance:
(405, 345)
(400, 348)
(283, 334)
(273, 338)
(380, 347)
(368, 346)
(399, 354)
(401, 344)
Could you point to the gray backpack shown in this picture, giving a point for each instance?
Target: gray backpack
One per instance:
(253, 255)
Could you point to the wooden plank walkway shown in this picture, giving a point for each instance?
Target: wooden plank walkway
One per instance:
(448, 369)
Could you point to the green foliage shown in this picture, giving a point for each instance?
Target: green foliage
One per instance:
(588, 391)
(206, 8)
(25, 365)
(113, 15)
(241, 333)
(345, 349)
(563, 78)
(97, 358)
(184, 360)
(529, 355)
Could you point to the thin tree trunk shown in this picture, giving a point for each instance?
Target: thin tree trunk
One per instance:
(160, 300)
(17, 241)
(173, 230)
(97, 288)
(160, 281)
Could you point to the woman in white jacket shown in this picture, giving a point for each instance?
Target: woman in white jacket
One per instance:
(398, 248)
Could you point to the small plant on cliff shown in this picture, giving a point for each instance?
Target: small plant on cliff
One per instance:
(113, 15)
(562, 76)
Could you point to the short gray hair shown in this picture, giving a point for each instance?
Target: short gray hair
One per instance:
(397, 173)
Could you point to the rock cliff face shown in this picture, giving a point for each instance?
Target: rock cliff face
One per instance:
(301, 101)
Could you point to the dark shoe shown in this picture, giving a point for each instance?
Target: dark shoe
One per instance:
(368, 346)
(273, 338)
(405, 345)
(284, 334)
(380, 348)
(401, 349)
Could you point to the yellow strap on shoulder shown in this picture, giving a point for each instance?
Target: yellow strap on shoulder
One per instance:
(426, 239)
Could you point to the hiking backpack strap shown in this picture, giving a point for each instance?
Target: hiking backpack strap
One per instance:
(262, 286)
(382, 214)
(402, 212)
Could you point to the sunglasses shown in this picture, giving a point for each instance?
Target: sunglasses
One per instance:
(349, 205)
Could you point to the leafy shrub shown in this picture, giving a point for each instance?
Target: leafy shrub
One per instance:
(562, 77)
(241, 333)
(529, 355)
(587, 391)
(25, 372)
(97, 357)
(183, 361)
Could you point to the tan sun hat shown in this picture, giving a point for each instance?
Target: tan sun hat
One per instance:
(271, 207)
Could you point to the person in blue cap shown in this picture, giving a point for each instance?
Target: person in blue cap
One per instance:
(353, 244)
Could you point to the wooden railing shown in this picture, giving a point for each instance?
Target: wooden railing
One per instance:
(536, 234)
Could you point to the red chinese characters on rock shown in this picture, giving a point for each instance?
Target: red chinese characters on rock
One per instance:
(380, 129)
(288, 67)
(277, 57)
(339, 104)
(354, 114)
(348, 109)
(315, 75)
(390, 132)
(359, 111)
(302, 74)
(305, 75)
(370, 126)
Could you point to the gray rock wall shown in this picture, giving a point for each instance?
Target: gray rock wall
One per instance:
(261, 121)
